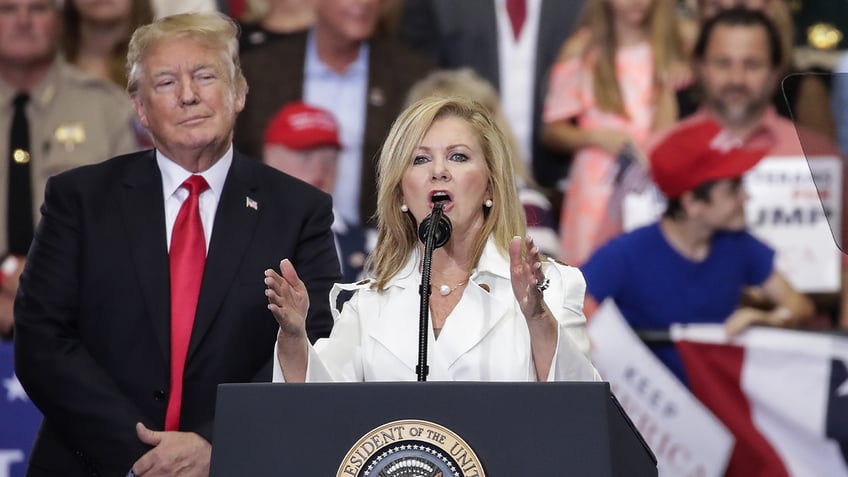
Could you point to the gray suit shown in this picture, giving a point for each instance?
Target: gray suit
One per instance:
(274, 73)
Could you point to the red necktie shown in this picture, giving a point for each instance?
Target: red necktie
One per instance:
(187, 258)
(517, 10)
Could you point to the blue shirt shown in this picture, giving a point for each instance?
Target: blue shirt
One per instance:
(654, 286)
(346, 96)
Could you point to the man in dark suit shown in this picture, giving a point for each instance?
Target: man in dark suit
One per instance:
(125, 326)
(474, 33)
(339, 65)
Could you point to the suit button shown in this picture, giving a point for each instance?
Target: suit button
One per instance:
(159, 395)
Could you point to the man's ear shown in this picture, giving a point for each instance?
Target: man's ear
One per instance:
(689, 204)
(240, 95)
(138, 105)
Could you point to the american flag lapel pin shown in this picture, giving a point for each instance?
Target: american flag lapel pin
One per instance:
(251, 204)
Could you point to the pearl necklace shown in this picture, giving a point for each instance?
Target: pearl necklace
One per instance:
(446, 290)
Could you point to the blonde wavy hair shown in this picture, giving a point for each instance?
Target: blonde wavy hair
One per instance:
(397, 231)
(214, 30)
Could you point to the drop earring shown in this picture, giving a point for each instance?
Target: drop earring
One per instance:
(488, 203)
(404, 208)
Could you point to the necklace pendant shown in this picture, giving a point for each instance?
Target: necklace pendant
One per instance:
(444, 290)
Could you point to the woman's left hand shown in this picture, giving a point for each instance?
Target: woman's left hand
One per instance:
(526, 274)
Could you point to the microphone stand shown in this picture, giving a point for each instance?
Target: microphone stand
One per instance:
(435, 224)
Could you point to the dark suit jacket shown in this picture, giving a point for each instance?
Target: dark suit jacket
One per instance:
(464, 33)
(274, 73)
(92, 312)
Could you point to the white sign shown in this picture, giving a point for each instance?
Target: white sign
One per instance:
(684, 435)
(795, 215)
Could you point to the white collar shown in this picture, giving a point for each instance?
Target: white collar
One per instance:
(492, 262)
(173, 175)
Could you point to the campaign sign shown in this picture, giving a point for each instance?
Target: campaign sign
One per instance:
(796, 215)
(684, 435)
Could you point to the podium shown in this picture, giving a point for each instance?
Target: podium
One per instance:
(513, 429)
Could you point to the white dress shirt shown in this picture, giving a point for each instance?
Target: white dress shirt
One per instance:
(173, 175)
(345, 95)
(517, 74)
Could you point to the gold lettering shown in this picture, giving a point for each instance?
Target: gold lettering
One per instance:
(436, 436)
(388, 436)
(362, 453)
(460, 455)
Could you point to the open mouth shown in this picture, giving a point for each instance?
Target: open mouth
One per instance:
(442, 197)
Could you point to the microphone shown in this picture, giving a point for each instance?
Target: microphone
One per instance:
(441, 225)
(434, 231)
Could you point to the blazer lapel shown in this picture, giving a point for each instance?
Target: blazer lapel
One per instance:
(487, 300)
(399, 321)
(235, 222)
(470, 321)
(143, 212)
(476, 314)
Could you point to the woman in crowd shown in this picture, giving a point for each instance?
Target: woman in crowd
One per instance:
(96, 34)
(499, 310)
(613, 85)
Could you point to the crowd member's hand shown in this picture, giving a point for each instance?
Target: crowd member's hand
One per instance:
(527, 276)
(8, 289)
(612, 141)
(743, 318)
(288, 299)
(677, 76)
(183, 454)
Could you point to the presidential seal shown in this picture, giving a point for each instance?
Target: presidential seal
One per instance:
(411, 448)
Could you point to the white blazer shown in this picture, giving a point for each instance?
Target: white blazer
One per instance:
(485, 337)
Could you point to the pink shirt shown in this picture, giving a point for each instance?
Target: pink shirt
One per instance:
(774, 132)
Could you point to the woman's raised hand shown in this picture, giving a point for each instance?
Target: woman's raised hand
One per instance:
(527, 278)
(288, 299)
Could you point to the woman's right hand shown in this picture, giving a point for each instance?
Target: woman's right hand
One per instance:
(288, 299)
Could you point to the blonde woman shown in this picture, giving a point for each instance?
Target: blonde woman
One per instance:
(464, 82)
(499, 311)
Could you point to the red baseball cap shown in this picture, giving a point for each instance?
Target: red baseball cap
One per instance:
(301, 126)
(691, 156)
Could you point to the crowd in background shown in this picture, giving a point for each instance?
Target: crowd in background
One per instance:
(584, 90)
(631, 126)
